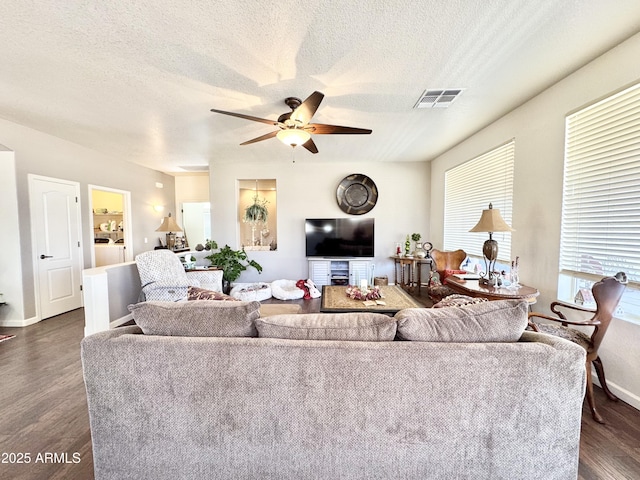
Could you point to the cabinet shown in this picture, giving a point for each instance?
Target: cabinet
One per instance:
(339, 271)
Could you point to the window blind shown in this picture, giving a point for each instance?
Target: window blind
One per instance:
(469, 188)
(601, 194)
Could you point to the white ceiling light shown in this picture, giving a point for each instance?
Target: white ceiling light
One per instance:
(293, 136)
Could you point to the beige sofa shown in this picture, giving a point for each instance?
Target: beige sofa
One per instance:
(205, 390)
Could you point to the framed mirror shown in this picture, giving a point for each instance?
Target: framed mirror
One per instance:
(258, 214)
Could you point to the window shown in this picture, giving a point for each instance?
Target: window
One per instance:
(469, 189)
(601, 195)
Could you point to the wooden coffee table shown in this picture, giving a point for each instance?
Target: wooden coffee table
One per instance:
(335, 300)
(473, 288)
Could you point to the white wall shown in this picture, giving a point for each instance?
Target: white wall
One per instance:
(538, 129)
(42, 154)
(307, 189)
(11, 271)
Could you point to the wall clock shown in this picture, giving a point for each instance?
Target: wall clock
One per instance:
(357, 194)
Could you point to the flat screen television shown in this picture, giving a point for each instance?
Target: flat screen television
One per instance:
(339, 237)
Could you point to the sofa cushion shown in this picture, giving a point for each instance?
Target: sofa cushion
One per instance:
(497, 321)
(367, 327)
(198, 318)
(197, 293)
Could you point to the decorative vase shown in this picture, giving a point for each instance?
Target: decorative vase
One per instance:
(419, 252)
(407, 247)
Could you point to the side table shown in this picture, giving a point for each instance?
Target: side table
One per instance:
(414, 271)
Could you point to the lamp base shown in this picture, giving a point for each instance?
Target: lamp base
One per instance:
(490, 252)
(171, 240)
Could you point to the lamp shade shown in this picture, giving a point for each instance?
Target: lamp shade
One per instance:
(491, 221)
(293, 136)
(168, 225)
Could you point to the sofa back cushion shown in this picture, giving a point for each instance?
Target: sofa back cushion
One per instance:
(197, 318)
(497, 321)
(366, 327)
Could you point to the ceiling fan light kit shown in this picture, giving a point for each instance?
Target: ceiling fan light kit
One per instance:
(293, 136)
(295, 128)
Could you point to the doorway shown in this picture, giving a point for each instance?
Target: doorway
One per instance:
(110, 225)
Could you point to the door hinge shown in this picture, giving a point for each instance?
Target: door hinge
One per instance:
(76, 199)
(78, 244)
(80, 287)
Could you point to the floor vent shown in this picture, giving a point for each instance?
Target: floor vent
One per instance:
(438, 98)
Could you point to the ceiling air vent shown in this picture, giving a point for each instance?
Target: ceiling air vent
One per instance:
(438, 98)
(195, 168)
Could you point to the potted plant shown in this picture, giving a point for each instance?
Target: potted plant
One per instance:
(419, 250)
(232, 262)
(256, 213)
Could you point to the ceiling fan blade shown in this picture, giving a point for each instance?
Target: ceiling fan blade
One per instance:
(266, 136)
(247, 117)
(307, 109)
(323, 129)
(309, 145)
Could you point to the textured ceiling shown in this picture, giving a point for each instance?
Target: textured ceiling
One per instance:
(136, 80)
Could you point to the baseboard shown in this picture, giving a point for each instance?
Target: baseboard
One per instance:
(121, 321)
(624, 395)
(19, 323)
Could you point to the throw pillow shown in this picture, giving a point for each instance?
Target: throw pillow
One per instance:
(198, 318)
(366, 327)
(457, 300)
(497, 321)
(197, 293)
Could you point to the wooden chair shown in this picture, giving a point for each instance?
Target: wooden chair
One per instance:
(443, 261)
(607, 293)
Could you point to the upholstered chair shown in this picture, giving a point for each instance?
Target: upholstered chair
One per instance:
(163, 277)
(443, 263)
(607, 294)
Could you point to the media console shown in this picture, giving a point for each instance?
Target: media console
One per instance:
(340, 271)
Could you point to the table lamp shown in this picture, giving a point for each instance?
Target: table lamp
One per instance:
(490, 221)
(170, 226)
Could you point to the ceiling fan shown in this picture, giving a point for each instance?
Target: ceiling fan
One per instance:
(294, 126)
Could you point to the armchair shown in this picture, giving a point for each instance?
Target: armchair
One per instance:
(443, 262)
(163, 277)
(607, 293)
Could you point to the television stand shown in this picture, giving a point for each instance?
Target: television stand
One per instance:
(339, 271)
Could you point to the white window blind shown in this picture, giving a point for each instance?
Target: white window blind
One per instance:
(601, 194)
(469, 189)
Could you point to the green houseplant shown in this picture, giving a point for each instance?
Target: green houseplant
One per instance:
(419, 251)
(232, 262)
(254, 214)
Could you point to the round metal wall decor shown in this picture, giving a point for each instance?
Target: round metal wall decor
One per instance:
(357, 194)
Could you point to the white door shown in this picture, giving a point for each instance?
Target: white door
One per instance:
(55, 227)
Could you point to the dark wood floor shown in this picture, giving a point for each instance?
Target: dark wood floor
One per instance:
(43, 410)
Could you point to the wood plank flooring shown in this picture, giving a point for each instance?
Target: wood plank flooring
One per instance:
(43, 410)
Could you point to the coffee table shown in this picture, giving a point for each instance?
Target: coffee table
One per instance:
(335, 300)
(473, 288)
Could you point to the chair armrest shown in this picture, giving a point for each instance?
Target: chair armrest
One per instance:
(162, 284)
(570, 306)
(563, 321)
(209, 279)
